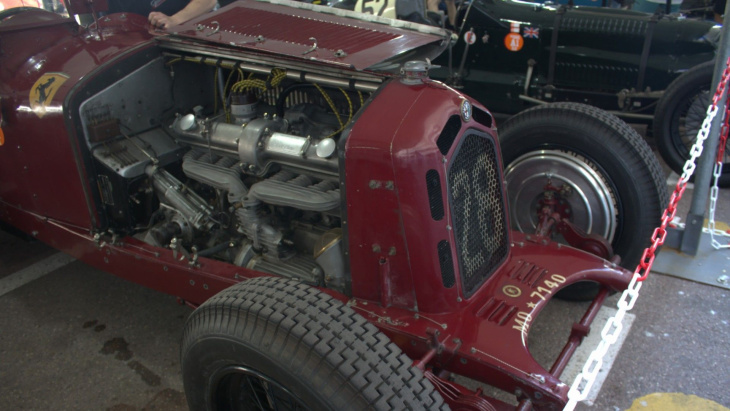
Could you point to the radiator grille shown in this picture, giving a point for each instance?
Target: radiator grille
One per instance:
(477, 209)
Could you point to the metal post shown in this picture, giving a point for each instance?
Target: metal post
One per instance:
(703, 173)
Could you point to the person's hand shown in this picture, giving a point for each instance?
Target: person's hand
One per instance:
(161, 20)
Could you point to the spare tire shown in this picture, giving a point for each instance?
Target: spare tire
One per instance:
(614, 184)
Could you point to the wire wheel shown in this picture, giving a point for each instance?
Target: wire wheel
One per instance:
(679, 116)
(238, 388)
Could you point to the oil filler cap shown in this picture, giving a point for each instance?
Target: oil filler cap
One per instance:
(414, 72)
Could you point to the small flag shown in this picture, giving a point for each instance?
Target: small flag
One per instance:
(531, 33)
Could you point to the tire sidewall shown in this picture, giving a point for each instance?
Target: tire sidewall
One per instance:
(600, 144)
(308, 342)
(212, 354)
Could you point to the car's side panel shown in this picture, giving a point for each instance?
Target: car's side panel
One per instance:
(130, 259)
(596, 54)
(40, 163)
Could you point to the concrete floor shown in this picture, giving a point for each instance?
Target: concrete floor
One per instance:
(78, 338)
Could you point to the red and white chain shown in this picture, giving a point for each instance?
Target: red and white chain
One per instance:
(611, 331)
(716, 173)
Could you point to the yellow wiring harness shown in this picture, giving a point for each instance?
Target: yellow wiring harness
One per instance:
(274, 79)
(331, 103)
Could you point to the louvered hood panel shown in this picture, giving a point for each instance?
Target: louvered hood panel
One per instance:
(292, 29)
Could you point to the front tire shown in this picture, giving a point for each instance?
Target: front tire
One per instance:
(273, 343)
(679, 115)
(615, 184)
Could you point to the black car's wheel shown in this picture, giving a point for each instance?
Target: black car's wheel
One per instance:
(679, 115)
(277, 344)
(606, 179)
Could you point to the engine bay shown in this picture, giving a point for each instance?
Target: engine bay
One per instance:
(216, 161)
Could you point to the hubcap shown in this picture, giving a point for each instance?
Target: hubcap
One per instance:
(588, 201)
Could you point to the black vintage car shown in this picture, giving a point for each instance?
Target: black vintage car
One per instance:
(655, 69)
(512, 55)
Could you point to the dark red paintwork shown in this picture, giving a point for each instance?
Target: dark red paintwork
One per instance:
(277, 29)
(44, 190)
(39, 153)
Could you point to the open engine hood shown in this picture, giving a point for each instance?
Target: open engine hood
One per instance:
(315, 33)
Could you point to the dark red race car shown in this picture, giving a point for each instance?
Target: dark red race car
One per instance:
(339, 219)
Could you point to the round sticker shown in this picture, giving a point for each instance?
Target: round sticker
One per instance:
(513, 42)
(470, 37)
(511, 291)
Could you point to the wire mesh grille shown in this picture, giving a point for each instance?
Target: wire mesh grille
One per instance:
(477, 209)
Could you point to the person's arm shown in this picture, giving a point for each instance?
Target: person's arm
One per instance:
(433, 5)
(194, 9)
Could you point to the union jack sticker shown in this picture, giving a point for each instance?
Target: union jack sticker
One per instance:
(531, 33)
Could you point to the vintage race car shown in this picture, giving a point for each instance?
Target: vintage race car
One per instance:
(338, 218)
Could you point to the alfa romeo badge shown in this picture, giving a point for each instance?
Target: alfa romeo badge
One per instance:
(465, 110)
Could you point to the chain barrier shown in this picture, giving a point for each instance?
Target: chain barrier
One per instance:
(714, 193)
(716, 173)
(677, 223)
(611, 331)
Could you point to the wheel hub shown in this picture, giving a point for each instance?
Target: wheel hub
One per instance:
(567, 182)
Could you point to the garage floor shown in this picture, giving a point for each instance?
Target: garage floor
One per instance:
(72, 337)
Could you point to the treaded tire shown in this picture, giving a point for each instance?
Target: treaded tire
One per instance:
(320, 350)
(618, 154)
(679, 115)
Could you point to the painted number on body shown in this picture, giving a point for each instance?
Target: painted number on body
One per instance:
(521, 322)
